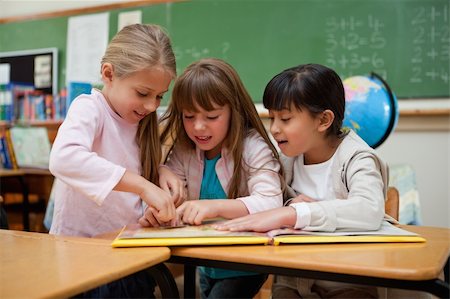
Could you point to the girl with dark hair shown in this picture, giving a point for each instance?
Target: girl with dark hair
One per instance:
(335, 180)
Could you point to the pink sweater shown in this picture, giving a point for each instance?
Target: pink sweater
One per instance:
(91, 152)
(260, 190)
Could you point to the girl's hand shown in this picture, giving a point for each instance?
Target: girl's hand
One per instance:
(262, 221)
(150, 193)
(301, 198)
(195, 211)
(149, 219)
(161, 202)
(171, 183)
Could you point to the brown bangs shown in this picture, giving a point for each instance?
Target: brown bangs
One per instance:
(199, 89)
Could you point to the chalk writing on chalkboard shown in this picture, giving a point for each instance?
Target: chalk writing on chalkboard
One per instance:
(196, 53)
(430, 45)
(350, 48)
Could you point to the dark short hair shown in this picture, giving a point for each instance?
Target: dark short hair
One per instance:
(313, 87)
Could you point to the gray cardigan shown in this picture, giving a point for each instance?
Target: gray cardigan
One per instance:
(359, 187)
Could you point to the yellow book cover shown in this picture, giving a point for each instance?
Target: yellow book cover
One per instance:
(137, 236)
(387, 233)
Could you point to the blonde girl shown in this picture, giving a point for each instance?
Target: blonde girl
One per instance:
(107, 150)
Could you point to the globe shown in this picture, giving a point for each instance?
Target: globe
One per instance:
(371, 109)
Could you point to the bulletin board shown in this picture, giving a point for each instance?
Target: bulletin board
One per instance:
(37, 67)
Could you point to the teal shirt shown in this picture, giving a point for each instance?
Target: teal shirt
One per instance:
(212, 189)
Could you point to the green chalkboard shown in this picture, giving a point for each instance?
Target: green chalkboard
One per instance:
(405, 41)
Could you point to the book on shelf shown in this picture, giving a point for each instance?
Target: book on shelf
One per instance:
(4, 152)
(9, 93)
(31, 106)
(12, 154)
(31, 146)
(137, 236)
(59, 107)
(21, 102)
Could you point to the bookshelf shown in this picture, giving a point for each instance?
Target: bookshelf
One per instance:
(26, 190)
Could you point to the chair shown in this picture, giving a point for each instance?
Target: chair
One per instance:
(392, 203)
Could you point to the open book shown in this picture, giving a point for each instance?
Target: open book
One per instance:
(205, 234)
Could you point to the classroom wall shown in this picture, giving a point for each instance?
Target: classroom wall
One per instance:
(428, 154)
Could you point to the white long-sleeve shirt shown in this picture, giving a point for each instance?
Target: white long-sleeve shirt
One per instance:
(93, 148)
(359, 180)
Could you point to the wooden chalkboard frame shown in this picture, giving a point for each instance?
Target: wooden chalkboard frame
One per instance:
(82, 10)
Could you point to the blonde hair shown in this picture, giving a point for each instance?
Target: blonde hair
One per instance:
(205, 83)
(135, 48)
